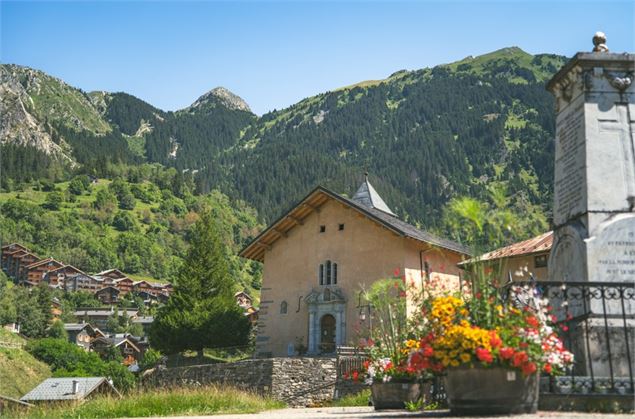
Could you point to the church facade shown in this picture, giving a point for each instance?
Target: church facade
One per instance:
(321, 254)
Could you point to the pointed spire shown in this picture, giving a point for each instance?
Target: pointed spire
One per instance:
(367, 196)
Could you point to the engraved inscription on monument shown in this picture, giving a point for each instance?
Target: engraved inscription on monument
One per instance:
(569, 187)
(611, 253)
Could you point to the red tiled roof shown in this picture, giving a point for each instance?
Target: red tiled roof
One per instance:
(536, 244)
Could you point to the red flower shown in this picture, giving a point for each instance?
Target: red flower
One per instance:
(355, 375)
(396, 272)
(428, 351)
(529, 368)
(565, 328)
(506, 353)
(547, 368)
(484, 355)
(519, 358)
(533, 322)
(366, 364)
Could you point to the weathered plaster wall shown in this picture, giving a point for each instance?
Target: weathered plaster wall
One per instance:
(364, 252)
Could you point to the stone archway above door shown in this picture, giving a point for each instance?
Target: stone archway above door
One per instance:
(322, 302)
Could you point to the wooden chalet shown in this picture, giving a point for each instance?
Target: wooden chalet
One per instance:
(19, 260)
(112, 274)
(58, 276)
(82, 334)
(129, 347)
(124, 285)
(144, 286)
(11, 248)
(243, 299)
(35, 272)
(108, 294)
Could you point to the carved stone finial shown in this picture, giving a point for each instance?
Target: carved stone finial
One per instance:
(599, 42)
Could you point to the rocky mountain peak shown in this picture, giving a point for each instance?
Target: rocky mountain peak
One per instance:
(224, 97)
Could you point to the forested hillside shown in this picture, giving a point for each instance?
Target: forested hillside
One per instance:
(138, 222)
(468, 128)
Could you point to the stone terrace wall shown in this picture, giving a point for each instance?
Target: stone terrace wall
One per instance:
(296, 381)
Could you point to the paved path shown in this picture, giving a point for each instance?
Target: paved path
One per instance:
(369, 412)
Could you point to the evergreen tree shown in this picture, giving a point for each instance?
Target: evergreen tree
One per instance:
(201, 313)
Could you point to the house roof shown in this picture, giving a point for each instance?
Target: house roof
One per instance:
(74, 327)
(12, 246)
(42, 262)
(538, 244)
(62, 388)
(318, 197)
(144, 320)
(115, 271)
(96, 312)
(71, 267)
(105, 288)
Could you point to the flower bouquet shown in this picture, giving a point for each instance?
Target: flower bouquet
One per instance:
(489, 345)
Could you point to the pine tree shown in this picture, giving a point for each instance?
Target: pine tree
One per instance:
(201, 313)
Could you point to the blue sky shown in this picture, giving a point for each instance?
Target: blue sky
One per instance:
(275, 53)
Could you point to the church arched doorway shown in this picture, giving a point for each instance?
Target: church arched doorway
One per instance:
(327, 334)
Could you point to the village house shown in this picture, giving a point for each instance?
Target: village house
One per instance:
(18, 260)
(124, 285)
(8, 249)
(34, 272)
(58, 277)
(82, 334)
(320, 255)
(520, 261)
(55, 390)
(80, 281)
(108, 295)
(99, 316)
(129, 347)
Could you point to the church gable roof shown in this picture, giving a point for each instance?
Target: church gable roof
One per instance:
(319, 196)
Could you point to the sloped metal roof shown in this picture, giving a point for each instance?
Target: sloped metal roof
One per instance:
(538, 244)
(367, 196)
(62, 388)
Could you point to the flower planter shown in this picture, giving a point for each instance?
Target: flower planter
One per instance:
(394, 395)
(491, 391)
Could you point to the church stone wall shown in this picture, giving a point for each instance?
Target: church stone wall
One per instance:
(296, 381)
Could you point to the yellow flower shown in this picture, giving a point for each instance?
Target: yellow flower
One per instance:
(465, 357)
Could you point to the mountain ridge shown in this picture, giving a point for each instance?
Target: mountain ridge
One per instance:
(425, 135)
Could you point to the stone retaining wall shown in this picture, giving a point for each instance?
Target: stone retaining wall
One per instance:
(296, 381)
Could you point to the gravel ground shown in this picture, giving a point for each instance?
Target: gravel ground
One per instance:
(368, 412)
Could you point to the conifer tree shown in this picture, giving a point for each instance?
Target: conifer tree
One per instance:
(201, 313)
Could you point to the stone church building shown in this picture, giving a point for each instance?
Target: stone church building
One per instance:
(319, 256)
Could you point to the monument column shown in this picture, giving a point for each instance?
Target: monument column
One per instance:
(594, 198)
(594, 185)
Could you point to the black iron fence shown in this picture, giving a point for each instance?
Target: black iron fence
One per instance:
(597, 323)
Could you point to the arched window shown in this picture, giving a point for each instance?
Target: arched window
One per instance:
(328, 272)
(334, 273)
(321, 274)
(283, 307)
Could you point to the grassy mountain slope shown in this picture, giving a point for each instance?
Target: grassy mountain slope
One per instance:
(19, 371)
(147, 238)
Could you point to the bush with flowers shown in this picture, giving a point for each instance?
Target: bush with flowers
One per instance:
(483, 328)
(392, 339)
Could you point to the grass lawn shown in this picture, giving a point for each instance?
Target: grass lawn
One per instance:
(360, 399)
(181, 401)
